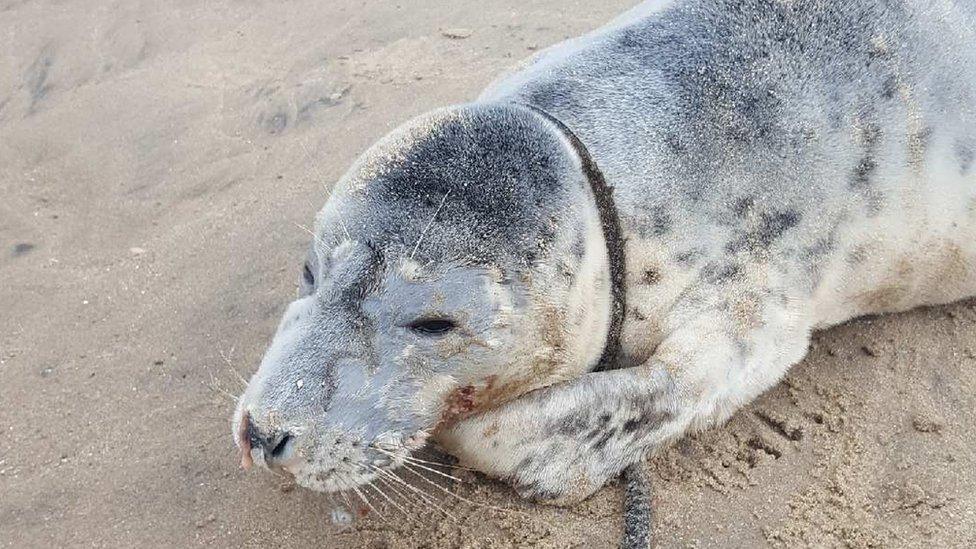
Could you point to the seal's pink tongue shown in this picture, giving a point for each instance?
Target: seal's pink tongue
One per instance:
(244, 442)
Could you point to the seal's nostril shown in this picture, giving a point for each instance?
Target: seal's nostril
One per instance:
(256, 438)
(282, 446)
(274, 445)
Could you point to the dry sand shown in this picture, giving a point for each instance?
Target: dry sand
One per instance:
(156, 159)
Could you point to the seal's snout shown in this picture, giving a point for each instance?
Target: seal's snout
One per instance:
(276, 446)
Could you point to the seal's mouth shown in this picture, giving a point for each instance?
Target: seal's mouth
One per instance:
(332, 463)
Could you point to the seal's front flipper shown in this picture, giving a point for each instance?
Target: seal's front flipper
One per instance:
(637, 508)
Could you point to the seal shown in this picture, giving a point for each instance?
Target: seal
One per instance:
(683, 196)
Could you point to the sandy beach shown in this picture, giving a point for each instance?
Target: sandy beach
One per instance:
(159, 165)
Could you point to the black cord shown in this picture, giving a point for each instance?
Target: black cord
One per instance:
(637, 508)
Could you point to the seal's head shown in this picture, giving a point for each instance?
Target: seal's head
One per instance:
(459, 264)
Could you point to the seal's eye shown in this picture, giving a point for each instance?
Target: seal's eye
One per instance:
(432, 326)
(307, 275)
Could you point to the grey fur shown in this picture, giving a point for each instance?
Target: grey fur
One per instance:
(777, 167)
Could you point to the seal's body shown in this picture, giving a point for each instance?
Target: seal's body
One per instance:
(775, 168)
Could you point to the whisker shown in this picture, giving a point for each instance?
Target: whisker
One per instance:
(345, 497)
(315, 237)
(214, 385)
(227, 395)
(393, 488)
(344, 228)
(230, 365)
(429, 481)
(420, 493)
(396, 492)
(368, 504)
(426, 498)
(429, 223)
(441, 463)
(318, 174)
(407, 465)
(386, 497)
(424, 467)
(460, 497)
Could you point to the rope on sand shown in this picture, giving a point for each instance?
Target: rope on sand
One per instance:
(637, 508)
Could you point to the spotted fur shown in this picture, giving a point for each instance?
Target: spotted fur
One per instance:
(777, 167)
